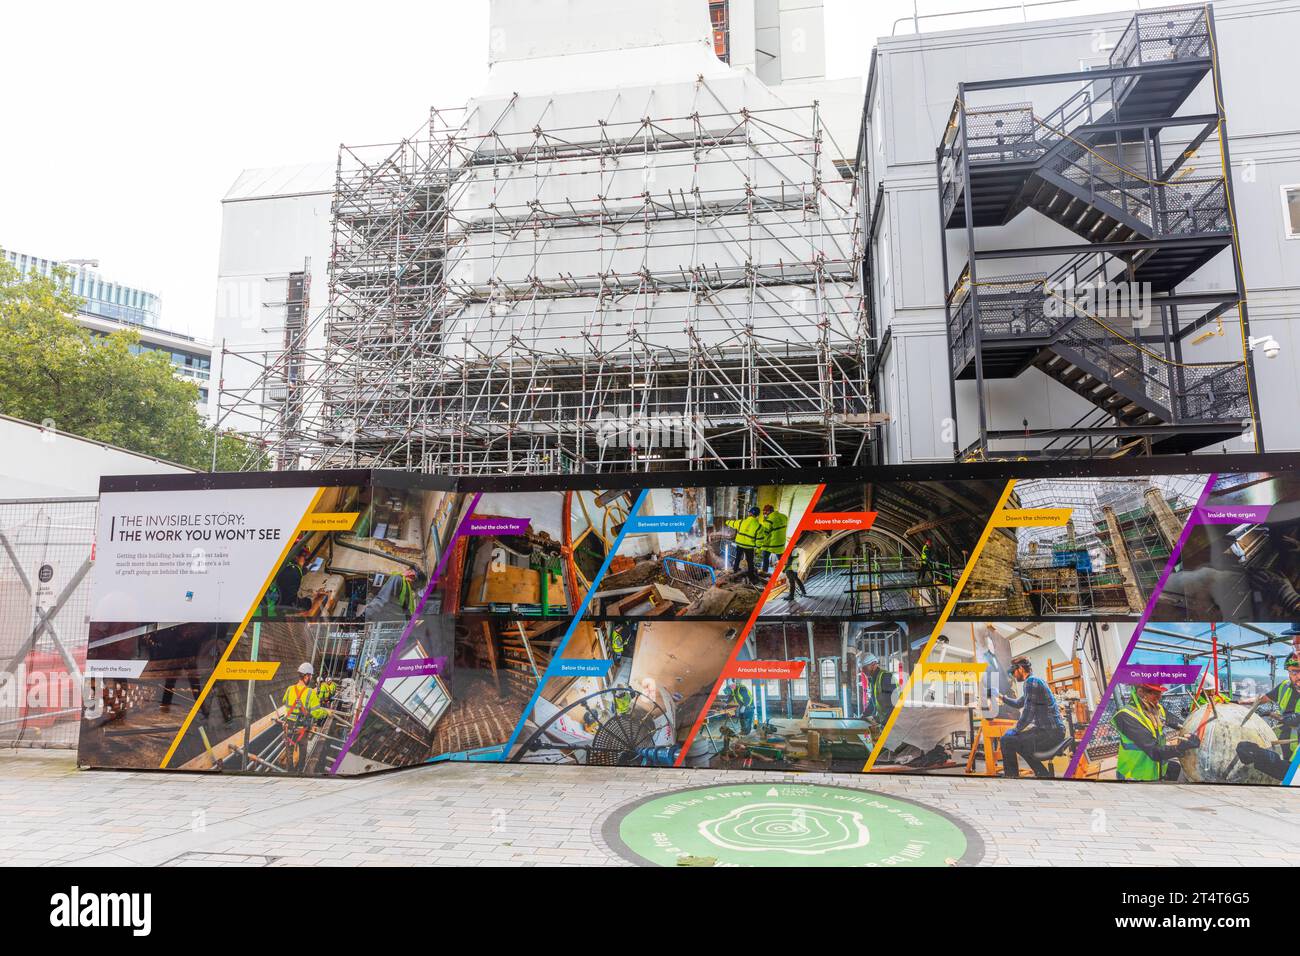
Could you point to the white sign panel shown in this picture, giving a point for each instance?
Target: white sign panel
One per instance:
(178, 556)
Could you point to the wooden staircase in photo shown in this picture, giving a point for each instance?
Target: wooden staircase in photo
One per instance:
(526, 649)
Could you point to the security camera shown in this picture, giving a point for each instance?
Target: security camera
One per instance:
(1270, 346)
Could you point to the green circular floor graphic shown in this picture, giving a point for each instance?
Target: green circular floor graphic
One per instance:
(785, 824)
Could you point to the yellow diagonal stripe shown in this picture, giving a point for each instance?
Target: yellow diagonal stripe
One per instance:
(239, 632)
(939, 625)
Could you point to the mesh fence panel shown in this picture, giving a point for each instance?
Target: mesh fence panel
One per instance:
(45, 555)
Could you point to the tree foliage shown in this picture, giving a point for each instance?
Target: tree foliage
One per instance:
(57, 373)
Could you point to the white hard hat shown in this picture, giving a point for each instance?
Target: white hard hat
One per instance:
(870, 659)
(306, 669)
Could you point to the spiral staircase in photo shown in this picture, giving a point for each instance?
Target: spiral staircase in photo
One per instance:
(1096, 166)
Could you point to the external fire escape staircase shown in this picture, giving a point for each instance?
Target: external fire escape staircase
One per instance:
(1109, 322)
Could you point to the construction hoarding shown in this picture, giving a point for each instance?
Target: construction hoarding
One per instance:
(1106, 620)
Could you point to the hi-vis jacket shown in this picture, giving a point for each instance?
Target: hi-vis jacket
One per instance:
(301, 701)
(772, 538)
(1143, 753)
(1287, 699)
(749, 531)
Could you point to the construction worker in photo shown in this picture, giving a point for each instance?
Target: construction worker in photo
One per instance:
(743, 698)
(302, 710)
(748, 529)
(794, 583)
(1039, 726)
(923, 572)
(328, 688)
(397, 598)
(282, 595)
(1146, 752)
(1209, 692)
(772, 540)
(1274, 761)
(406, 594)
(622, 700)
(617, 644)
(878, 686)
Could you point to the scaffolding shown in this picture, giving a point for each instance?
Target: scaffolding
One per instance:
(625, 293)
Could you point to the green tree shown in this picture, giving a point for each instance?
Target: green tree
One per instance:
(100, 387)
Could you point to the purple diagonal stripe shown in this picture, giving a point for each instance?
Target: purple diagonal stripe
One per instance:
(1174, 555)
(406, 632)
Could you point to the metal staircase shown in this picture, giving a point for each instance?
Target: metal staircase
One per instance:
(1109, 322)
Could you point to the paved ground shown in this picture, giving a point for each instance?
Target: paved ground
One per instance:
(480, 814)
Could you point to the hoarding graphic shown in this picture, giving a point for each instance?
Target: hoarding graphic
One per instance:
(201, 563)
(1109, 620)
(995, 520)
(396, 666)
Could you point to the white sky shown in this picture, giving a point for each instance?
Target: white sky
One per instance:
(127, 121)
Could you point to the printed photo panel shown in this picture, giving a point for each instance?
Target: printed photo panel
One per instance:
(1242, 557)
(395, 550)
(808, 695)
(402, 676)
(875, 549)
(533, 553)
(1008, 698)
(1201, 702)
(1077, 547)
(497, 665)
(701, 552)
(281, 703)
(142, 681)
(625, 693)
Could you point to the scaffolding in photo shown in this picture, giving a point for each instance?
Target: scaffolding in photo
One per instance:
(1114, 548)
(1105, 559)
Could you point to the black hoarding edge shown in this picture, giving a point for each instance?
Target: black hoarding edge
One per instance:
(1274, 462)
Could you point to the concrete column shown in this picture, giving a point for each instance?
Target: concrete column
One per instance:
(1170, 527)
(1131, 588)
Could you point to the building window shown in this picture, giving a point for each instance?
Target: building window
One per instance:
(828, 679)
(799, 685)
(421, 697)
(1291, 211)
(772, 689)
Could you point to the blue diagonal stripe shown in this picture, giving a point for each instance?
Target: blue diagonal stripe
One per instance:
(1291, 771)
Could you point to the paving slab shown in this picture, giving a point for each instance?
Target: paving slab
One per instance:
(495, 815)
